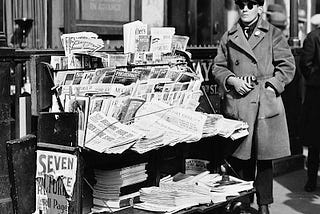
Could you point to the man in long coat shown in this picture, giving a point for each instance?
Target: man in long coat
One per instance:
(252, 67)
(310, 69)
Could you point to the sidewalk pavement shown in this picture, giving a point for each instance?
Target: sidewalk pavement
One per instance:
(290, 197)
(289, 194)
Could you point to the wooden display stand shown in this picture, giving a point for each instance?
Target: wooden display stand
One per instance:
(161, 162)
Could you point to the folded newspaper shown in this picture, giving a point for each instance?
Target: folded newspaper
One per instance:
(182, 191)
(81, 42)
(216, 124)
(108, 135)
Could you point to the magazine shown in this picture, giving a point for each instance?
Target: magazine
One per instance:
(179, 42)
(131, 32)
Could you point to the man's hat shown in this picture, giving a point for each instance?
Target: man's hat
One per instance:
(275, 8)
(302, 16)
(258, 2)
(278, 19)
(275, 15)
(315, 19)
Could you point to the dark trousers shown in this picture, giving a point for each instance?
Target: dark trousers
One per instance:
(259, 171)
(313, 163)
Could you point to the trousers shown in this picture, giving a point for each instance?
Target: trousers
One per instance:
(259, 171)
(313, 163)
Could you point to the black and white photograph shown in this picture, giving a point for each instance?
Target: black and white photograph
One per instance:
(159, 107)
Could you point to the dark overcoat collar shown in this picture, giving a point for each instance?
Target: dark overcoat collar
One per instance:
(237, 37)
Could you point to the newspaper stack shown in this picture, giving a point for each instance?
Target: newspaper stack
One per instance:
(206, 184)
(108, 135)
(220, 192)
(210, 128)
(177, 124)
(81, 42)
(153, 139)
(119, 187)
(171, 198)
(216, 124)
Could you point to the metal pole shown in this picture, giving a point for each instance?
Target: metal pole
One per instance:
(294, 39)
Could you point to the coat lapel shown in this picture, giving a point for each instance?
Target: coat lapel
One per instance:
(258, 33)
(237, 37)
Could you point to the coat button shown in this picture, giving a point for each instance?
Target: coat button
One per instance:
(236, 62)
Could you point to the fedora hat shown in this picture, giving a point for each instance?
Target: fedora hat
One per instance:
(278, 19)
(302, 16)
(275, 8)
(315, 19)
(275, 14)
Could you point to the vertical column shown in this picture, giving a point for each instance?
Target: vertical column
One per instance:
(5, 118)
(3, 40)
(294, 39)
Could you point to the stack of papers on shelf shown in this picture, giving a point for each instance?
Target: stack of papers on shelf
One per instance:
(176, 124)
(171, 198)
(216, 124)
(206, 184)
(153, 139)
(219, 191)
(119, 187)
(182, 182)
(108, 135)
(182, 191)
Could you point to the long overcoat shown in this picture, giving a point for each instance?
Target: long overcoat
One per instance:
(267, 56)
(310, 69)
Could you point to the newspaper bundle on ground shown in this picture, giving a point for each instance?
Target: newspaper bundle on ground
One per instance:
(118, 188)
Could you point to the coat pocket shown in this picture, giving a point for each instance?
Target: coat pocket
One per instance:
(270, 105)
(229, 105)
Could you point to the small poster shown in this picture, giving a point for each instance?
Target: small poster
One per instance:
(55, 179)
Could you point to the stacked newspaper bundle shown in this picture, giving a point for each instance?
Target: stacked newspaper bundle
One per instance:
(206, 184)
(152, 139)
(176, 124)
(119, 187)
(165, 200)
(219, 191)
(108, 135)
(216, 124)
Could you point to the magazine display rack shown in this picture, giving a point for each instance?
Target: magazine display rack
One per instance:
(120, 123)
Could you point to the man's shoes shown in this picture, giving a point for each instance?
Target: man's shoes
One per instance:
(310, 186)
(263, 209)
